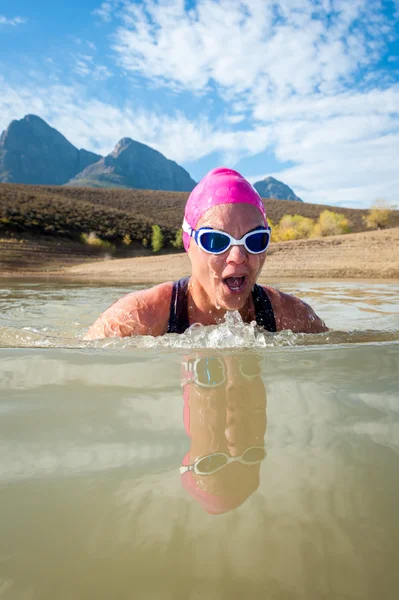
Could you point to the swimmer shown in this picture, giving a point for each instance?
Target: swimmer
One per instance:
(226, 236)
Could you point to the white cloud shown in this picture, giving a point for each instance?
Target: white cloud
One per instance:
(281, 47)
(86, 67)
(14, 21)
(105, 10)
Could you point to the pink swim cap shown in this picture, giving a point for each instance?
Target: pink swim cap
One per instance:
(219, 186)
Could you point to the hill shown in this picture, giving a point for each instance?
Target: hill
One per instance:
(41, 228)
(115, 213)
(33, 152)
(135, 165)
(272, 188)
(167, 208)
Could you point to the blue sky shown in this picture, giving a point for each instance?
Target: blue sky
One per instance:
(304, 90)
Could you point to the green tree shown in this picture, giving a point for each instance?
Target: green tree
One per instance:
(156, 238)
(178, 241)
(379, 214)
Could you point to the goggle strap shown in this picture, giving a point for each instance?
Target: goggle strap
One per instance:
(187, 228)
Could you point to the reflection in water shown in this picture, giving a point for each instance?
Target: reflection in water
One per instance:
(225, 417)
(91, 501)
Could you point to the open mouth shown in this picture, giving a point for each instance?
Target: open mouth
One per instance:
(235, 284)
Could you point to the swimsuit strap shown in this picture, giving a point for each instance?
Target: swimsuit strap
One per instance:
(178, 315)
(263, 308)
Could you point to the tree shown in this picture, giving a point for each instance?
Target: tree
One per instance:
(178, 241)
(331, 223)
(379, 214)
(156, 238)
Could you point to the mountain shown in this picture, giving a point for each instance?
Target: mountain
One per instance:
(272, 188)
(135, 165)
(33, 152)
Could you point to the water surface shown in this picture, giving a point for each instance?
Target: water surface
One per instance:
(92, 437)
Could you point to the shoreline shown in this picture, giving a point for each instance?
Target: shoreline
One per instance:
(367, 256)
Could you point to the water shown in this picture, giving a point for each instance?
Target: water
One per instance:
(92, 436)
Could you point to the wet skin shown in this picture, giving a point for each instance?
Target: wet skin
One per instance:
(216, 286)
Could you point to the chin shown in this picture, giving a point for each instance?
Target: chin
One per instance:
(233, 301)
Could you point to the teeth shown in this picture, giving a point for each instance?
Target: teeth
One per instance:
(235, 283)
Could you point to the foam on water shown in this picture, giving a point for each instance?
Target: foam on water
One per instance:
(232, 333)
(51, 316)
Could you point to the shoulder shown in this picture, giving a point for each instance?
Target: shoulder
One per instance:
(292, 313)
(145, 312)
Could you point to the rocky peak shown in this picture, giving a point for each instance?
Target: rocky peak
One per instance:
(33, 152)
(269, 187)
(135, 165)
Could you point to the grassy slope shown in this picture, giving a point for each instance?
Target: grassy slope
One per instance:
(166, 208)
(71, 210)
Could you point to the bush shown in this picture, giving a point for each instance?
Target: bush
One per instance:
(293, 227)
(178, 241)
(379, 214)
(156, 238)
(275, 237)
(331, 223)
(91, 239)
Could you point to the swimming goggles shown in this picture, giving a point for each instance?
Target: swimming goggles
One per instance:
(210, 372)
(211, 463)
(214, 241)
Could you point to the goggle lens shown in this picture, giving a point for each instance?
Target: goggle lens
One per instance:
(213, 241)
(257, 242)
(254, 455)
(210, 372)
(211, 463)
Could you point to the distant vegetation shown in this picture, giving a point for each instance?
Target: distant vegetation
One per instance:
(156, 238)
(141, 220)
(380, 214)
(35, 210)
(295, 227)
(92, 239)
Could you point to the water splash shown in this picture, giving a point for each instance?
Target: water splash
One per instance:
(231, 333)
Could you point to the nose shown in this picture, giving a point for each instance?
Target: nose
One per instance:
(237, 254)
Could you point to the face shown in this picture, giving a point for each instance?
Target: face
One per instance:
(227, 279)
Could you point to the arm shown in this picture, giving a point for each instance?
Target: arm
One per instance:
(292, 313)
(140, 313)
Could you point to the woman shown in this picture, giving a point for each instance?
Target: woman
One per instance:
(226, 235)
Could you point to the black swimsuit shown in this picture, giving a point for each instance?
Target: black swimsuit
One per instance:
(178, 317)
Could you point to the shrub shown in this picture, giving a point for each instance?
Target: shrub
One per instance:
(92, 239)
(156, 238)
(178, 241)
(379, 214)
(295, 227)
(331, 223)
(126, 240)
(275, 231)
